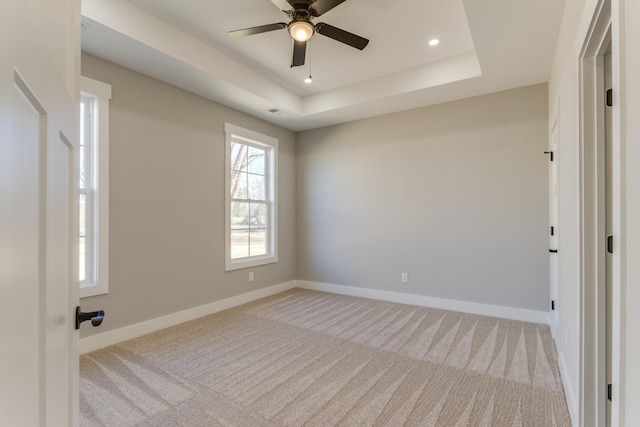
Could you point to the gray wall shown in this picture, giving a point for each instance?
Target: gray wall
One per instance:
(455, 195)
(167, 201)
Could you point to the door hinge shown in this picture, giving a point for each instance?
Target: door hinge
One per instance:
(610, 98)
(553, 230)
(550, 153)
(610, 244)
(553, 305)
(609, 392)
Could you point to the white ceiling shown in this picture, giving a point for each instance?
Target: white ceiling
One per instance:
(486, 46)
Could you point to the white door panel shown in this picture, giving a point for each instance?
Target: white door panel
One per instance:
(21, 302)
(59, 266)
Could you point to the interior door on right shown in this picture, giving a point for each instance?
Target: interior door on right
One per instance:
(554, 189)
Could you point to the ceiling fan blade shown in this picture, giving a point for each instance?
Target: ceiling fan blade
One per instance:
(320, 7)
(341, 35)
(299, 53)
(283, 5)
(257, 30)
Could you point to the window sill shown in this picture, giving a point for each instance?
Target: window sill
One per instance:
(250, 262)
(93, 290)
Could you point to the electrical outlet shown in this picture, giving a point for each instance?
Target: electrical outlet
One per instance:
(251, 276)
(404, 277)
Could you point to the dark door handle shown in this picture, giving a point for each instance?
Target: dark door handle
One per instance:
(553, 251)
(96, 317)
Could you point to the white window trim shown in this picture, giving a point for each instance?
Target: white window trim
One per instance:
(263, 141)
(103, 93)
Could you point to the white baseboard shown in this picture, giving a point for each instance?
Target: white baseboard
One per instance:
(425, 301)
(115, 336)
(570, 395)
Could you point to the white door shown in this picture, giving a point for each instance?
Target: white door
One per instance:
(39, 73)
(554, 189)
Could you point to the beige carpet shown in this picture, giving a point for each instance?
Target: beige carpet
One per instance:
(311, 358)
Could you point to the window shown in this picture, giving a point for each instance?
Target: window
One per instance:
(251, 198)
(94, 188)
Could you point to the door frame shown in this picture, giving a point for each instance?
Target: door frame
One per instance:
(554, 219)
(592, 217)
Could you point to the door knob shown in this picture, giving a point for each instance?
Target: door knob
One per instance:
(96, 317)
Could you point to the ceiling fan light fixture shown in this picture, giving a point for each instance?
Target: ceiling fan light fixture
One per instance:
(301, 29)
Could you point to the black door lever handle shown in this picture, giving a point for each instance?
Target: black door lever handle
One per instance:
(553, 251)
(96, 317)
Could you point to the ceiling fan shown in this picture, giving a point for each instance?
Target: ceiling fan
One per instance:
(301, 29)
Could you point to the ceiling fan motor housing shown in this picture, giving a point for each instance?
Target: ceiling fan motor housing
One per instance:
(302, 7)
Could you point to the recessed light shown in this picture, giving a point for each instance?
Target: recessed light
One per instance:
(434, 42)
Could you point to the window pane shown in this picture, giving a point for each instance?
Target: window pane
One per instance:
(239, 185)
(256, 160)
(83, 260)
(85, 241)
(258, 241)
(83, 183)
(239, 215)
(257, 187)
(83, 119)
(239, 244)
(238, 156)
(83, 215)
(258, 217)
